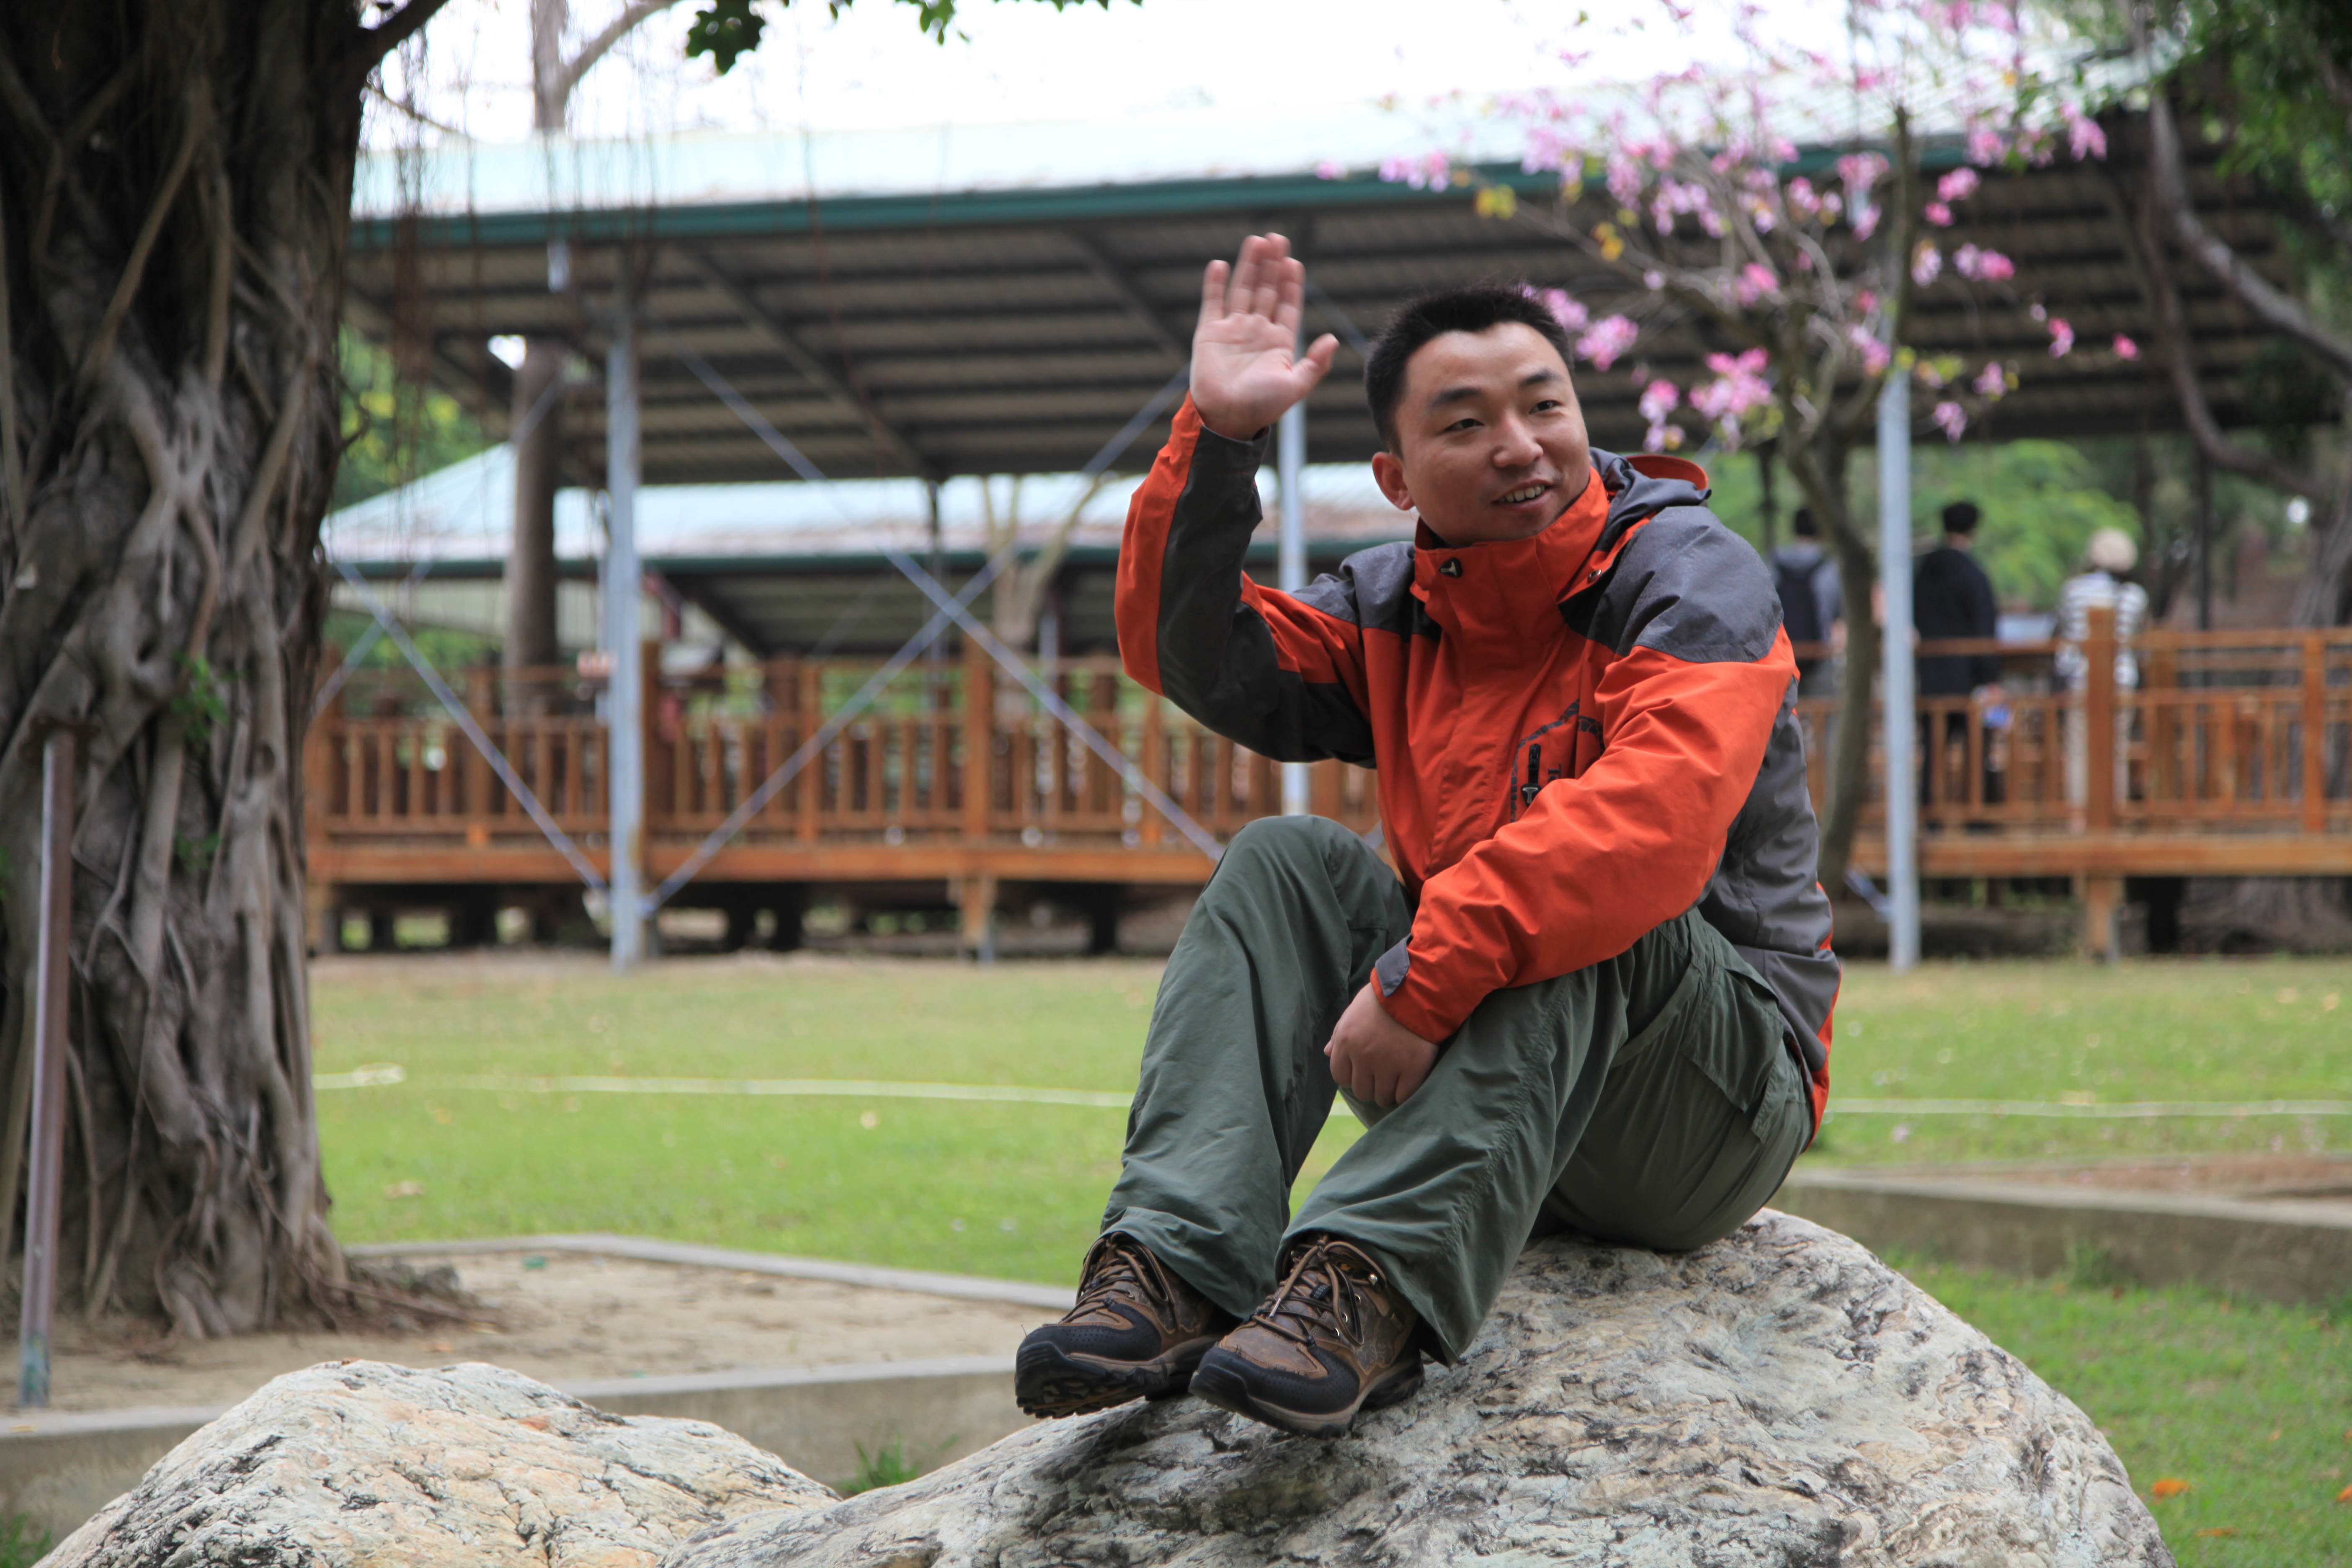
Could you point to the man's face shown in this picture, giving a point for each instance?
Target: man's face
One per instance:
(1490, 442)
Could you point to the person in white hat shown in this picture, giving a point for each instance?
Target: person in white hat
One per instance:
(2103, 584)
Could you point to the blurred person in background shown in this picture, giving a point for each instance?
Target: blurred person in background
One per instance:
(2103, 584)
(1812, 604)
(1951, 598)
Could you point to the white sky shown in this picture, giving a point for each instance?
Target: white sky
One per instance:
(1023, 61)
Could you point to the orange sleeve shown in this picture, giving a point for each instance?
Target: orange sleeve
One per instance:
(1598, 860)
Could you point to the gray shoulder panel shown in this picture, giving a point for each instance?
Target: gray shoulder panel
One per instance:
(1688, 586)
(1372, 588)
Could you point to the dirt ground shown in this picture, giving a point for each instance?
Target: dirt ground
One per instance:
(564, 1318)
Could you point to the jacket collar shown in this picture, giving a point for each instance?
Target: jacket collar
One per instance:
(1497, 596)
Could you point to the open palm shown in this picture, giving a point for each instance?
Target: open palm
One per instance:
(1247, 368)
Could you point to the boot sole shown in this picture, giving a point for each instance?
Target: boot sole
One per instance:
(1049, 1383)
(1227, 1389)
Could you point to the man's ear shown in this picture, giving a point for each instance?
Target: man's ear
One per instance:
(1387, 472)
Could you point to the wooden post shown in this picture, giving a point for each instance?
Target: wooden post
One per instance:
(978, 744)
(50, 1042)
(2314, 731)
(2101, 894)
(2099, 722)
(2102, 897)
(808, 713)
(1155, 765)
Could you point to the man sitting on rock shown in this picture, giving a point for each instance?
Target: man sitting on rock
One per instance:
(1600, 997)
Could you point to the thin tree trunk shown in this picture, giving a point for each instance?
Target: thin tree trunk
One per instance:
(176, 199)
(530, 639)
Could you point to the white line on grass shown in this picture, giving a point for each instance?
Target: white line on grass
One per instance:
(2128, 1110)
(377, 1074)
(845, 1089)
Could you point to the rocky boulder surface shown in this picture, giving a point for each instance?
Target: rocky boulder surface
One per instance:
(1780, 1398)
(353, 1463)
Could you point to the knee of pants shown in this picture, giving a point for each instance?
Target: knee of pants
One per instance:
(1284, 841)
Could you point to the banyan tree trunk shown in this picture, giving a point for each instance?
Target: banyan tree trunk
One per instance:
(175, 183)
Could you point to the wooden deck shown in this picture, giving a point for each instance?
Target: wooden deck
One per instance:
(2230, 757)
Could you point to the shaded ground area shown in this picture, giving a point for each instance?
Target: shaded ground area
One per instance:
(566, 1317)
(2219, 1175)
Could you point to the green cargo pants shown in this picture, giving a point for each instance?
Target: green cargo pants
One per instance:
(1652, 1099)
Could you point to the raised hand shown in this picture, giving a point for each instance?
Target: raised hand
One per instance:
(1247, 368)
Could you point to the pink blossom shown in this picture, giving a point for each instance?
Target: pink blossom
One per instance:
(1654, 280)
(1330, 169)
(1939, 213)
(1801, 199)
(1984, 266)
(2085, 138)
(1927, 262)
(1992, 382)
(1625, 179)
(1430, 172)
(1951, 419)
(1658, 400)
(1755, 280)
(1958, 187)
(1865, 301)
(1607, 341)
(1739, 386)
(1565, 308)
(2062, 338)
(1984, 146)
(2126, 348)
(1860, 170)
(1866, 220)
(1876, 355)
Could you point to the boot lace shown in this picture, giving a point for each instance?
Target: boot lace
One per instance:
(1117, 1266)
(1325, 1290)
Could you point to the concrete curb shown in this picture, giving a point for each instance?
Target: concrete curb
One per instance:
(59, 1468)
(970, 1286)
(2297, 1250)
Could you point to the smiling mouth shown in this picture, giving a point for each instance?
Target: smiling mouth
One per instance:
(1524, 494)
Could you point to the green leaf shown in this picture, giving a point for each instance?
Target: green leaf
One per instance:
(725, 30)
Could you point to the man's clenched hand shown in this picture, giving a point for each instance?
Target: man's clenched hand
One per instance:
(1247, 368)
(1373, 1057)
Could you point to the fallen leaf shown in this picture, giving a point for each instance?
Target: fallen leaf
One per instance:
(2345, 1495)
(440, 1347)
(2276, 1433)
(2168, 1487)
(2217, 1529)
(405, 1190)
(536, 1423)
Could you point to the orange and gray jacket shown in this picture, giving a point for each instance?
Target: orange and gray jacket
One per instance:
(1580, 736)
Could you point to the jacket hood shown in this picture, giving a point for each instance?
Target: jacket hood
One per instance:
(1643, 485)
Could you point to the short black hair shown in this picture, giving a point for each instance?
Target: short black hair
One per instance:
(1960, 517)
(1802, 524)
(1471, 309)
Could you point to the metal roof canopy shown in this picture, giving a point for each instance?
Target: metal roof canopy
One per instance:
(1013, 331)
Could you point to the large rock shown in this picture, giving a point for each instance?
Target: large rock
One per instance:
(353, 1463)
(1779, 1398)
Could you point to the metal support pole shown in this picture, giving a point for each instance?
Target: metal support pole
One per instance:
(49, 1047)
(935, 669)
(1290, 461)
(1896, 723)
(626, 731)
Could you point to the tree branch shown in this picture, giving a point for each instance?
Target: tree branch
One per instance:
(2173, 342)
(596, 49)
(2168, 183)
(373, 42)
(126, 288)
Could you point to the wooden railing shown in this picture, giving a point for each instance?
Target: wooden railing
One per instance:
(2226, 735)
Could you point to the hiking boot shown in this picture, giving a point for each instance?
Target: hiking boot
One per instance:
(1137, 1332)
(1337, 1338)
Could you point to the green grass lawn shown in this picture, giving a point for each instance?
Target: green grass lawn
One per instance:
(2187, 1386)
